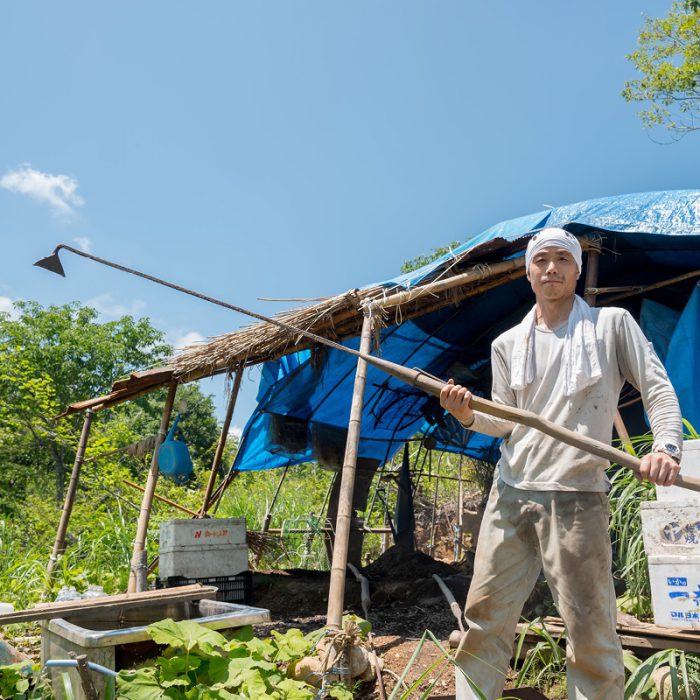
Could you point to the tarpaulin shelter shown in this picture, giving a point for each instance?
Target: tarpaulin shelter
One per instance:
(643, 253)
(304, 396)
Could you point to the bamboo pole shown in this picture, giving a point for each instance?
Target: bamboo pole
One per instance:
(147, 501)
(268, 515)
(218, 456)
(431, 547)
(650, 287)
(60, 542)
(162, 499)
(592, 259)
(343, 519)
(460, 511)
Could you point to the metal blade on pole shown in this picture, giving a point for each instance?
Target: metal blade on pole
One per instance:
(421, 380)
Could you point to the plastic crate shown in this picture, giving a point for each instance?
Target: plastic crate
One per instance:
(232, 589)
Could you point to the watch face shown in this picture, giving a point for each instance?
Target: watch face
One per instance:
(672, 450)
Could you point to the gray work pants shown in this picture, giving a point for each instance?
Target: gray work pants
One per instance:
(564, 533)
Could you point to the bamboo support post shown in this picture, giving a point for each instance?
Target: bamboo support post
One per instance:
(268, 514)
(149, 491)
(162, 499)
(218, 456)
(60, 542)
(343, 519)
(433, 518)
(460, 511)
(221, 490)
(592, 260)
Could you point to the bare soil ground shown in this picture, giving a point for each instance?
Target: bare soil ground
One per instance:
(406, 601)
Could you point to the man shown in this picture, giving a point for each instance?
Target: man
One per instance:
(548, 507)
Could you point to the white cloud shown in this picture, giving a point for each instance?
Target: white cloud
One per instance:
(58, 191)
(84, 243)
(235, 431)
(182, 338)
(6, 306)
(107, 306)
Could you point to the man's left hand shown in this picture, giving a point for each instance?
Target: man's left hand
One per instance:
(659, 468)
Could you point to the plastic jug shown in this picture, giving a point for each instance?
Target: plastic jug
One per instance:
(174, 459)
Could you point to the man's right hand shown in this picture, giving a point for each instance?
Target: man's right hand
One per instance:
(457, 400)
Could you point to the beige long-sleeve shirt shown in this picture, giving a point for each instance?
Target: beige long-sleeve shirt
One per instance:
(531, 460)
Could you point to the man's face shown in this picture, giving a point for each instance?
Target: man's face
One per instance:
(553, 274)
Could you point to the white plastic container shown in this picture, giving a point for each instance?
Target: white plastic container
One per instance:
(671, 532)
(690, 466)
(203, 548)
(671, 529)
(675, 590)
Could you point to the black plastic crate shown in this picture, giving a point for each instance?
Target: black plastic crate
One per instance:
(232, 589)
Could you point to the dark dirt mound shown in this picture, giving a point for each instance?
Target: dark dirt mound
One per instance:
(398, 563)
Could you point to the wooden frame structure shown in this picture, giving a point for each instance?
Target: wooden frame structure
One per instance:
(472, 273)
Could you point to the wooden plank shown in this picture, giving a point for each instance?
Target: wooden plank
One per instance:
(46, 611)
(642, 637)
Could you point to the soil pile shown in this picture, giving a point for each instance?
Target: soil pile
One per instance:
(401, 564)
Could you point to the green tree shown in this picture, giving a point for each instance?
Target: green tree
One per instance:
(51, 357)
(669, 59)
(436, 253)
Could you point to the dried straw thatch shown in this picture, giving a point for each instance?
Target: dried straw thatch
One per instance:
(337, 318)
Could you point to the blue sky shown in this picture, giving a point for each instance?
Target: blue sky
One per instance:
(299, 149)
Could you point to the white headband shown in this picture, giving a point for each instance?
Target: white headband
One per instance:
(554, 238)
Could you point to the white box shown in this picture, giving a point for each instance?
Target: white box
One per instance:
(675, 590)
(203, 548)
(671, 529)
(690, 466)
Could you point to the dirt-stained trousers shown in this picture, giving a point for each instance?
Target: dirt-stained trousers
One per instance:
(564, 533)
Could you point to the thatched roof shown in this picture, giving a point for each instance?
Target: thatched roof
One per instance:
(337, 318)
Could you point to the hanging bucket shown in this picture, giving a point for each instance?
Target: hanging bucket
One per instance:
(174, 461)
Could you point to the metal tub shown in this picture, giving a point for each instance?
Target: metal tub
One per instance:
(118, 639)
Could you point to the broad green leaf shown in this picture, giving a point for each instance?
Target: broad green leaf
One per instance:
(254, 685)
(140, 685)
(185, 634)
(295, 690)
(291, 645)
(364, 626)
(244, 634)
(340, 692)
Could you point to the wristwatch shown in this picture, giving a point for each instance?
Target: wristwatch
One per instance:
(668, 448)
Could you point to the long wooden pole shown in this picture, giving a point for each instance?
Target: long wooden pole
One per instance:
(268, 515)
(60, 542)
(336, 590)
(151, 481)
(649, 287)
(218, 455)
(431, 385)
(162, 499)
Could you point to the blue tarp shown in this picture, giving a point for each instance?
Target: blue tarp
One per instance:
(683, 359)
(304, 401)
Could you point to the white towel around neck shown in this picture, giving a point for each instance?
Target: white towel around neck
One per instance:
(580, 354)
